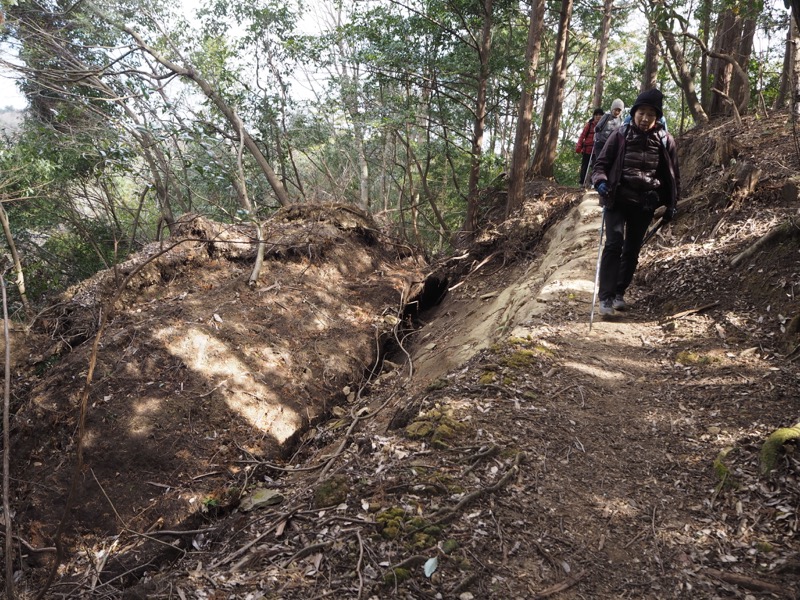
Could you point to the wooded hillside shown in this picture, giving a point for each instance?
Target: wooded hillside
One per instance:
(141, 112)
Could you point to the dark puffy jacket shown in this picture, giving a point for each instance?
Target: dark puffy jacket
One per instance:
(627, 164)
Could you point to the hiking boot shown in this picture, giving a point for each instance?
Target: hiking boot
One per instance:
(619, 303)
(607, 308)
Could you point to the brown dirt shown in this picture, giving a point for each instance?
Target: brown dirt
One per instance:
(504, 447)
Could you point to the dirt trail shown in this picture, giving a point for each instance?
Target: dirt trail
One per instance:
(618, 494)
(505, 451)
(479, 315)
(529, 458)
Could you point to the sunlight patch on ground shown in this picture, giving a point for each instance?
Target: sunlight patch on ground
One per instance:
(599, 372)
(564, 288)
(146, 411)
(255, 402)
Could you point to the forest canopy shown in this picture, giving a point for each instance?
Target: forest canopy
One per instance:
(140, 112)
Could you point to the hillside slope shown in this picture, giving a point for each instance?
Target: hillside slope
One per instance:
(504, 449)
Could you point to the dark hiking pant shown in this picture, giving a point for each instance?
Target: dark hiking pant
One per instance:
(626, 226)
(585, 158)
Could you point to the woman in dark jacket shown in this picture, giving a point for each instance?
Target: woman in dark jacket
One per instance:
(585, 144)
(636, 172)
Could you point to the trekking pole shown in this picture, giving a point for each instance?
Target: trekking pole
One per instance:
(597, 271)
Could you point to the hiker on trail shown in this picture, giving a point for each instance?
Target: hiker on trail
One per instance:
(636, 172)
(585, 145)
(607, 125)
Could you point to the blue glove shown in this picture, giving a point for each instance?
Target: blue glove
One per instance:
(602, 188)
(668, 215)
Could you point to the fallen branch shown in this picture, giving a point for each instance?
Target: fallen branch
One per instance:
(751, 583)
(303, 552)
(692, 311)
(560, 587)
(787, 229)
(27, 545)
(446, 514)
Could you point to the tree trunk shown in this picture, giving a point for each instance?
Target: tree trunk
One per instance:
(785, 89)
(685, 76)
(740, 88)
(704, 16)
(547, 141)
(602, 54)
(17, 262)
(721, 94)
(650, 75)
(796, 73)
(522, 135)
(484, 52)
(728, 33)
(350, 88)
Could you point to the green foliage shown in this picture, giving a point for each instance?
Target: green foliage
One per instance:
(567, 168)
(402, 77)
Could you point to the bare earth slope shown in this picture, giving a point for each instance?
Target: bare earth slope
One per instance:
(504, 450)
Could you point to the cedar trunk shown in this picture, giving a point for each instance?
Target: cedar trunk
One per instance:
(522, 136)
(547, 141)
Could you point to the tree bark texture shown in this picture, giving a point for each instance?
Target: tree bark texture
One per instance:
(650, 75)
(547, 141)
(484, 52)
(796, 73)
(602, 54)
(785, 89)
(522, 135)
(724, 53)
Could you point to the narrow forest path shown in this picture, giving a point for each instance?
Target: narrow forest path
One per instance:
(527, 457)
(619, 495)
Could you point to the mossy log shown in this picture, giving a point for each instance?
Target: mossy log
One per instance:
(773, 445)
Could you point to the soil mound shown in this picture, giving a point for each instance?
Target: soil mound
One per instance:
(194, 367)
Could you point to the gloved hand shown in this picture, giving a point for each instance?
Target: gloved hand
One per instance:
(669, 214)
(602, 189)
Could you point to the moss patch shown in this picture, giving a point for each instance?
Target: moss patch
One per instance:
(395, 523)
(331, 492)
(520, 359)
(689, 358)
(722, 470)
(774, 445)
(438, 425)
(487, 378)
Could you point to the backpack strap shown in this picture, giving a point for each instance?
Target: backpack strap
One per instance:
(602, 123)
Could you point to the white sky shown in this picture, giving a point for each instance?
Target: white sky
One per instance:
(9, 94)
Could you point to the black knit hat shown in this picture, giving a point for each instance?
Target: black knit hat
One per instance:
(652, 98)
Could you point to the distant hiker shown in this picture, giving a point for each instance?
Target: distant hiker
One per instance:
(607, 125)
(585, 144)
(636, 172)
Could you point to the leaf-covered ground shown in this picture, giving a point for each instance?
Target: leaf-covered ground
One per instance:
(502, 450)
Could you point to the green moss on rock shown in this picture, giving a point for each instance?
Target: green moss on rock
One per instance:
(332, 491)
(487, 378)
(396, 575)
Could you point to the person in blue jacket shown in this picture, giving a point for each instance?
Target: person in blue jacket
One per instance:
(636, 172)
